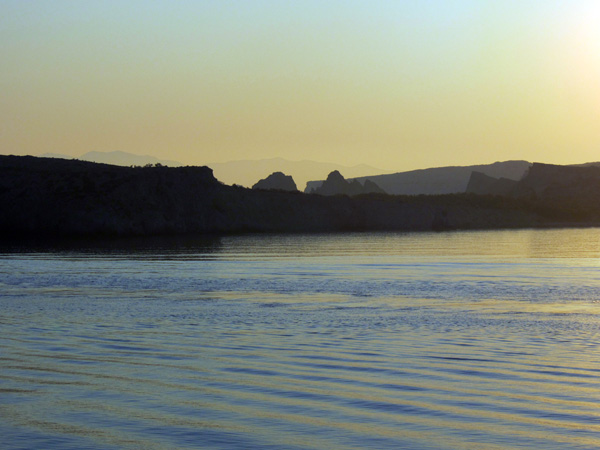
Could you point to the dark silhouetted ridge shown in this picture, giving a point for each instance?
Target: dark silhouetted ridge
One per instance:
(437, 180)
(483, 184)
(57, 197)
(336, 184)
(277, 181)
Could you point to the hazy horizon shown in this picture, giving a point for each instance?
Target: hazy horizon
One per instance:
(394, 85)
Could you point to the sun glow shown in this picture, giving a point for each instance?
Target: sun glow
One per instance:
(582, 42)
(396, 85)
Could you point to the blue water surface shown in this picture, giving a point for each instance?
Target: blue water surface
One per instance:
(467, 340)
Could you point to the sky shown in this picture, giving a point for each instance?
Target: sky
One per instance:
(398, 85)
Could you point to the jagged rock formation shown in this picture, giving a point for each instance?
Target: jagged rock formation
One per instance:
(336, 184)
(439, 180)
(277, 181)
(483, 184)
(371, 188)
(572, 187)
(246, 172)
(52, 197)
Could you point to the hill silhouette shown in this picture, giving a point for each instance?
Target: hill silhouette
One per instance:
(118, 158)
(439, 180)
(571, 188)
(336, 184)
(246, 172)
(480, 183)
(242, 172)
(277, 181)
(55, 197)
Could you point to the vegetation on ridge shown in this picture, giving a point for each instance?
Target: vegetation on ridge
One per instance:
(40, 196)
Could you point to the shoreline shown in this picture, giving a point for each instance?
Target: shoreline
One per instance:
(47, 198)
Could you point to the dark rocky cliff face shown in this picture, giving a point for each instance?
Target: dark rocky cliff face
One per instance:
(438, 180)
(568, 192)
(544, 179)
(336, 184)
(371, 187)
(54, 196)
(483, 184)
(47, 197)
(569, 188)
(277, 181)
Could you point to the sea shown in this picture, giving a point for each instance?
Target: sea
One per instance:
(454, 340)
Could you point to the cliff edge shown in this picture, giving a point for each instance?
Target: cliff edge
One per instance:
(57, 197)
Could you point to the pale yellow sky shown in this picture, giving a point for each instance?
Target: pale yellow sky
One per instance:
(395, 84)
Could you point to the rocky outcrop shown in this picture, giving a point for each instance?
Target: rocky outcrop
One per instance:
(277, 181)
(543, 179)
(336, 184)
(371, 188)
(567, 192)
(575, 188)
(483, 184)
(54, 197)
(438, 180)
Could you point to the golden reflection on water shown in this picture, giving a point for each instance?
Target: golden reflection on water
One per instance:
(524, 243)
(480, 340)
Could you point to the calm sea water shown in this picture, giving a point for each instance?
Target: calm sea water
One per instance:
(467, 340)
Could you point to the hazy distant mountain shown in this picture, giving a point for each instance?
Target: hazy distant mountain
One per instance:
(439, 180)
(57, 155)
(248, 172)
(126, 159)
(243, 172)
(117, 158)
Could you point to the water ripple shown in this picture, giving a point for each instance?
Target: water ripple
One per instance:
(368, 342)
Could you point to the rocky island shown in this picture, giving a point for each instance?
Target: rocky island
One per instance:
(58, 197)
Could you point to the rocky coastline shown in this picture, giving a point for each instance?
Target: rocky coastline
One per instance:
(56, 197)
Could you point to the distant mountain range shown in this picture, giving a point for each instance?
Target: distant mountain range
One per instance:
(117, 158)
(244, 172)
(43, 197)
(493, 178)
(438, 180)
